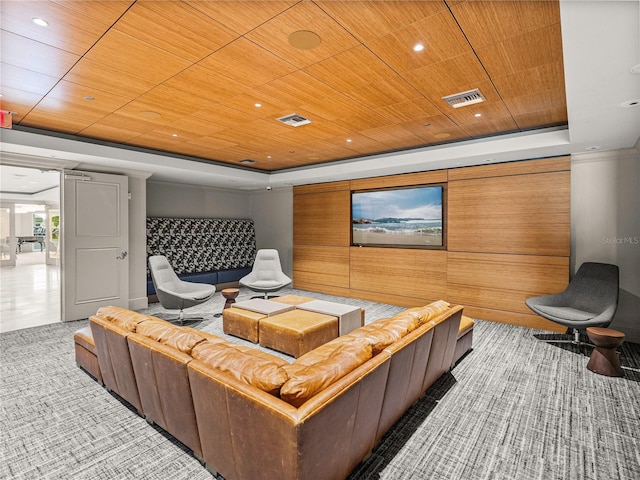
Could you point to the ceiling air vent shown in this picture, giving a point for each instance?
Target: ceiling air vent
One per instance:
(464, 98)
(294, 120)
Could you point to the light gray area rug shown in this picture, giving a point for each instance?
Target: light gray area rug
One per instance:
(514, 408)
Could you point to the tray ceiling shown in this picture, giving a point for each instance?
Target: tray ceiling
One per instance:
(185, 76)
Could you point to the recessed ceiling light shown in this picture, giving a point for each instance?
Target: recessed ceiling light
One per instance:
(304, 40)
(268, 156)
(478, 115)
(257, 105)
(89, 98)
(150, 114)
(418, 47)
(174, 135)
(348, 140)
(41, 22)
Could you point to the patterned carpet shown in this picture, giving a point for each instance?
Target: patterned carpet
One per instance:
(515, 408)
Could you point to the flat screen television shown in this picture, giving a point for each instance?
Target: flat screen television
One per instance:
(410, 217)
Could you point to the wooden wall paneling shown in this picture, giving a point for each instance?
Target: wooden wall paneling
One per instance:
(328, 289)
(322, 219)
(503, 282)
(513, 318)
(523, 214)
(320, 265)
(405, 180)
(415, 273)
(556, 164)
(391, 299)
(321, 187)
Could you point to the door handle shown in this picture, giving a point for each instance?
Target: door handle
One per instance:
(122, 255)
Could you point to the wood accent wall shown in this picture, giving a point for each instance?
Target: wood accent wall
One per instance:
(508, 239)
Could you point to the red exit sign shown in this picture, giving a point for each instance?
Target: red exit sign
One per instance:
(5, 119)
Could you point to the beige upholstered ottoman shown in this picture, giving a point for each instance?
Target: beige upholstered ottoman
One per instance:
(349, 317)
(86, 357)
(297, 332)
(242, 318)
(292, 299)
(465, 338)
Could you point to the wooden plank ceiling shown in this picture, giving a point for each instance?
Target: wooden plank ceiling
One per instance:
(185, 76)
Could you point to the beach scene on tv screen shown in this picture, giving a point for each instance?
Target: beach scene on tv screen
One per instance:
(404, 217)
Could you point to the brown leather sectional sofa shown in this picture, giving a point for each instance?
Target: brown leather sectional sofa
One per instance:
(247, 414)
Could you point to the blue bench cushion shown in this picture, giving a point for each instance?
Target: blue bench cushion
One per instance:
(212, 278)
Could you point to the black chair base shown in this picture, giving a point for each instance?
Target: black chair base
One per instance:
(180, 320)
(576, 340)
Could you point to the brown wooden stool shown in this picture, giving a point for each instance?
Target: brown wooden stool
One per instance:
(230, 294)
(604, 358)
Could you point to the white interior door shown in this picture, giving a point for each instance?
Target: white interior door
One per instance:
(95, 225)
(7, 235)
(53, 236)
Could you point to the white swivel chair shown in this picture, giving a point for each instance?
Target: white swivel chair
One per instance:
(173, 293)
(266, 275)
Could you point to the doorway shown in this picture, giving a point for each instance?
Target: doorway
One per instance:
(30, 276)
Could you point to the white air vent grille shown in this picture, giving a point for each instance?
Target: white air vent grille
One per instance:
(464, 98)
(294, 120)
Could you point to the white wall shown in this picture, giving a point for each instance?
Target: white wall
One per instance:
(605, 224)
(191, 201)
(24, 224)
(272, 213)
(137, 243)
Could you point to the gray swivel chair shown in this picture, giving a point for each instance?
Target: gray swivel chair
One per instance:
(173, 293)
(590, 300)
(266, 275)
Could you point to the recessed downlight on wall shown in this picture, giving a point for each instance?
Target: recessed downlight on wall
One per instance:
(631, 103)
(41, 22)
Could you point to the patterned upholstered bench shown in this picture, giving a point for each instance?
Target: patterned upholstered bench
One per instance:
(217, 251)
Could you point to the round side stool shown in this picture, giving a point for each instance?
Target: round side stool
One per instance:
(604, 358)
(230, 294)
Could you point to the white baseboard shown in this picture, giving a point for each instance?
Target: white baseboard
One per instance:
(138, 303)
